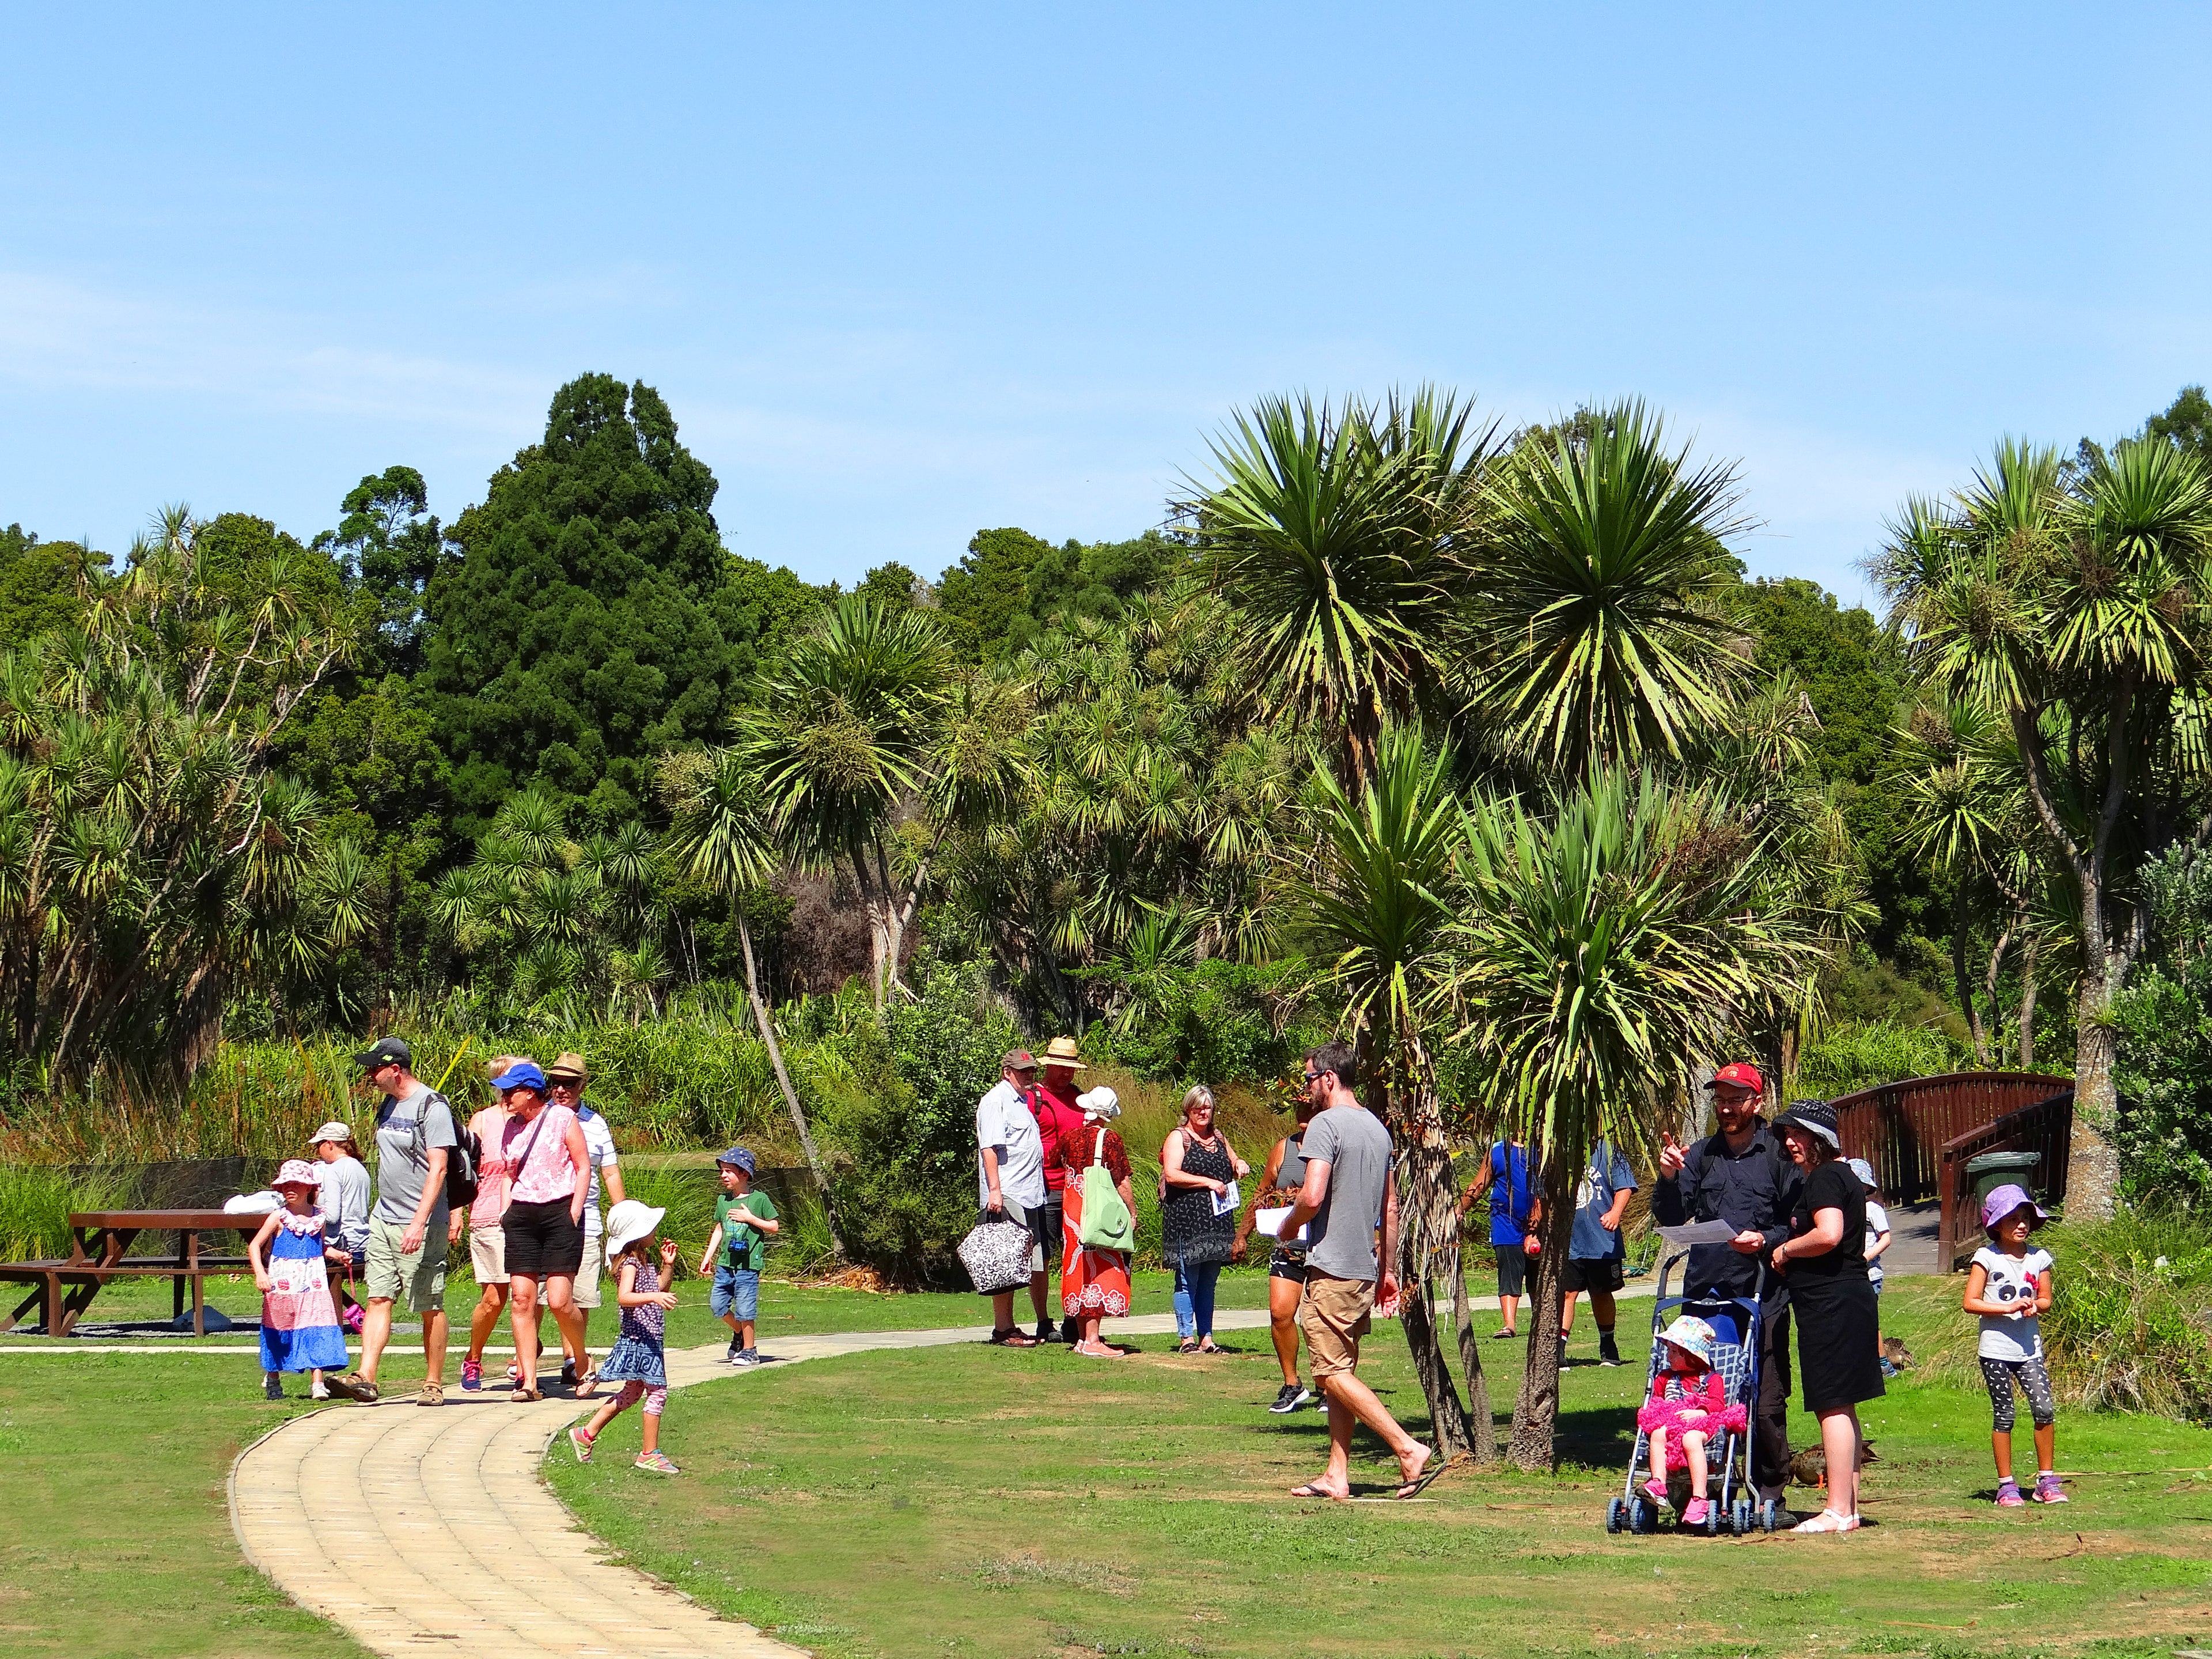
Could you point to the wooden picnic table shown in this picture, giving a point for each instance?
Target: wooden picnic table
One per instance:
(100, 1240)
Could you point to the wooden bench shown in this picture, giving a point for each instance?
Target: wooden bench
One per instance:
(101, 1241)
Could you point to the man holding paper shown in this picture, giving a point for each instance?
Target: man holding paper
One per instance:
(1742, 1177)
(1348, 1184)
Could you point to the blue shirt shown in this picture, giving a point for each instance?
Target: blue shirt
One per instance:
(1607, 1176)
(1508, 1193)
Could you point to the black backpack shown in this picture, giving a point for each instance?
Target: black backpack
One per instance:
(463, 1161)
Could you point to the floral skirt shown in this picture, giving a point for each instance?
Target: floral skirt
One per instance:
(1090, 1281)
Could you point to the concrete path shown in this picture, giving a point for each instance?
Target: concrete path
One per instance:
(410, 1527)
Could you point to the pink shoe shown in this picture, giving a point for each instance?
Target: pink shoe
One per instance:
(582, 1443)
(1655, 1491)
(2048, 1490)
(1699, 1511)
(471, 1375)
(2009, 1496)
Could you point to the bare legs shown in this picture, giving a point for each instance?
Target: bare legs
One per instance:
(1283, 1297)
(523, 1293)
(1350, 1401)
(485, 1320)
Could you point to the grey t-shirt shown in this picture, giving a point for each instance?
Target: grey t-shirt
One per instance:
(1355, 1145)
(344, 1202)
(403, 1161)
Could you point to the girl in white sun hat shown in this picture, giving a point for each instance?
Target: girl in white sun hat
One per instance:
(637, 1360)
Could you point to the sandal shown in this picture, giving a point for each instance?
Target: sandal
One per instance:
(1315, 1489)
(1829, 1520)
(523, 1396)
(1188, 1345)
(1013, 1337)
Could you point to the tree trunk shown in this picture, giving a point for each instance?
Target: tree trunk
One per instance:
(1990, 987)
(1536, 1413)
(1969, 1003)
(2093, 1163)
(1428, 1222)
(761, 1017)
(1479, 1417)
(2028, 1003)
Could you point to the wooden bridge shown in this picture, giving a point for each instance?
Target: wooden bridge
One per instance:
(1919, 1133)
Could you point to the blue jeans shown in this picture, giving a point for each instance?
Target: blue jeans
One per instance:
(736, 1294)
(1194, 1298)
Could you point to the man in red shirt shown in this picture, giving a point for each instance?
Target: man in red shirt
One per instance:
(1052, 1102)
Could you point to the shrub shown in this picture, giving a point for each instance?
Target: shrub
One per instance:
(2131, 1322)
(1861, 1056)
(36, 1201)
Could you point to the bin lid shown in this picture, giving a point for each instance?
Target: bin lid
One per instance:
(1985, 1162)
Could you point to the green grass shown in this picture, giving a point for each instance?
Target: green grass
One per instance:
(973, 1500)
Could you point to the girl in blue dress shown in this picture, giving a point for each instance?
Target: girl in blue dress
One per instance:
(637, 1360)
(299, 1321)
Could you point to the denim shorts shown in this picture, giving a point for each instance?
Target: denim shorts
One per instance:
(736, 1294)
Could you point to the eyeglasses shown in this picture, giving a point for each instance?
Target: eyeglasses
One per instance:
(563, 1086)
(1313, 1076)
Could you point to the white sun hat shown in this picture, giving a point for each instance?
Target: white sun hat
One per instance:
(629, 1221)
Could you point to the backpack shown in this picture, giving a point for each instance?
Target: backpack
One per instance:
(463, 1160)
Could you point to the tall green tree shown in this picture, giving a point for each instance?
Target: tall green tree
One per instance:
(44, 586)
(576, 637)
(393, 547)
(2076, 611)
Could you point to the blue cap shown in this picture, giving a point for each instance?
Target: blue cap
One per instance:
(738, 1156)
(523, 1074)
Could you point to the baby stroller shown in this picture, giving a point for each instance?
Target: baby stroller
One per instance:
(1736, 1504)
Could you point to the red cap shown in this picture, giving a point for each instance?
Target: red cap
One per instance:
(1742, 1073)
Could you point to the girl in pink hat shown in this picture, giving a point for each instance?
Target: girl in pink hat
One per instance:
(299, 1322)
(2009, 1285)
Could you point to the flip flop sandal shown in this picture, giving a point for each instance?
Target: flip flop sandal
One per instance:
(1312, 1489)
(1420, 1483)
(1012, 1338)
(523, 1396)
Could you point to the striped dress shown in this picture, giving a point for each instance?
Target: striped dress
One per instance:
(299, 1321)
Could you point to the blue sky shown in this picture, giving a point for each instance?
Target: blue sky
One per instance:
(903, 273)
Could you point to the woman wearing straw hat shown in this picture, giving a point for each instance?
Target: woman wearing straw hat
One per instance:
(1838, 1323)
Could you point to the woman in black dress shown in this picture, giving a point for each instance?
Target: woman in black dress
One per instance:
(1838, 1350)
(1198, 1230)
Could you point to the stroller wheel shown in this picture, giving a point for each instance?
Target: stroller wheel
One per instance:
(1740, 1516)
(1643, 1515)
(1770, 1515)
(1616, 1514)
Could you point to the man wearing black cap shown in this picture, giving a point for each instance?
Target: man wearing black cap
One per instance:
(1740, 1175)
(407, 1229)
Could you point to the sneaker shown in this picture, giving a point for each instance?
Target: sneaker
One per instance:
(1699, 1511)
(1655, 1491)
(1286, 1400)
(582, 1443)
(1047, 1331)
(319, 1391)
(471, 1375)
(747, 1358)
(1608, 1354)
(2009, 1496)
(272, 1387)
(735, 1349)
(1069, 1333)
(1889, 1372)
(2048, 1490)
(657, 1461)
(1306, 1397)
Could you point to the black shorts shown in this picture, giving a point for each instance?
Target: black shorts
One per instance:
(1605, 1274)
(1512, 1270)
(542, 1241)
(1292, 1267)
(1045, 1223)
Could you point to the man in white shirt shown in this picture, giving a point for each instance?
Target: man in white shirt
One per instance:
(1010, 1182)
(565, 1079)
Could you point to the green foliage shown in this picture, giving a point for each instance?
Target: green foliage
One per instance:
(44, 586)
(393, 548)
(1214, 1022)
(36, 1201)
(2185, 423)
(2163, 1069)
(578, 637)
(982, 594)
(2126, 1327)
(1850, 1057)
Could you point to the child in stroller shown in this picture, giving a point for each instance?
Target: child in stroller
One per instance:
(1688, 1402)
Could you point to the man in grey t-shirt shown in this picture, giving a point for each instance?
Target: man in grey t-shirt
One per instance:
(407, 1229)
(1348, 1192)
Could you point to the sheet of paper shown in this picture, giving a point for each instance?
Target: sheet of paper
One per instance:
(1225, 1203)
(1698, 1232)
(1268, 1222)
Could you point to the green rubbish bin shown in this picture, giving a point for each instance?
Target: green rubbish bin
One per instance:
(1991, 1170)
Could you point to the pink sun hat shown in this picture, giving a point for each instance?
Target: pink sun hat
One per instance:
(296, 1172)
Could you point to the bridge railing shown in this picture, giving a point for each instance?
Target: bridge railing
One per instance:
(2042, 1127)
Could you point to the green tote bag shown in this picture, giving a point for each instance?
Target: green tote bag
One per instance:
(1107, 1224)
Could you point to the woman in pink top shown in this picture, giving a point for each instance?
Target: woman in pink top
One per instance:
(542, 1229)
(486, 1241)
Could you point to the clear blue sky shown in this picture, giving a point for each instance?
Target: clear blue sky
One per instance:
(904, 273)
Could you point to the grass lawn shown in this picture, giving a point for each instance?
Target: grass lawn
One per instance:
(973, 1500)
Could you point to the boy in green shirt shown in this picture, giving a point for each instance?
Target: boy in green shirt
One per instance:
(744, 1221)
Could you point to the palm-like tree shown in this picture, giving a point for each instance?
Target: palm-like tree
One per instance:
(719, 836)
(1341, 536)
(1632, 930)
(2076, 611)
(840, 740)
(1381, 896)
(1591, 635)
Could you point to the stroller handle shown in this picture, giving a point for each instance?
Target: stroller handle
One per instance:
(1758, 1285)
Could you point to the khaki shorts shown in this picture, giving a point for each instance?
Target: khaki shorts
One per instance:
(488, 1254)
(393, 1275)
(1334, 1313)
(585, 1291)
